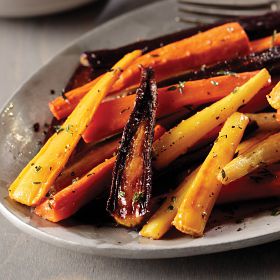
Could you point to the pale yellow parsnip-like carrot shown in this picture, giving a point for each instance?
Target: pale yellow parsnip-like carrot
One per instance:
(201, 196)
(262, 154)
(35, 180)
(179, 139)
(273, 97)
(161, 221)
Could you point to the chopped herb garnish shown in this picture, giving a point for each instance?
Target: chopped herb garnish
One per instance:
(181, 86)
(89, 174)
(223, 173)
(173, 198)
(36, 183)
(170, 208)
(58, 128)
(38, 168)
(172, 88)
(36, 127)
(68, 128)
(275, 212)
(137, 197)
(235, 90)
(214, 83)
(63, 94)
(273, 38)
(66, 147)
(75, 180)
(121, 194)
(226, 73)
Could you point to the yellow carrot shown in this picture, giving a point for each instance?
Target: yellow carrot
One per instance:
(273, 97)
(263, 153)
(35, 180)
(178, 140)
(201, 196)
(161, 221)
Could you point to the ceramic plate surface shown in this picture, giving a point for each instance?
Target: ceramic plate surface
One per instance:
(17, 139)
(26, 8)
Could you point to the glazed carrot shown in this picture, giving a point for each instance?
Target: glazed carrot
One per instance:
(200, 198)
(38, 176)
(63, 204)
(86, 162)
(205, 48)
(261, 184)
(69, 200)
(273, 97)
(262, 154)
(91, 159)
(181, 138)
(170, 100)
(62, 107)
(265, 43)
(265, 121)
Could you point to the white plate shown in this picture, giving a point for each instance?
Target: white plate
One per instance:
(26, 8)
(17, 147)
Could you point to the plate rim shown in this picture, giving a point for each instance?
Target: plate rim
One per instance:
(112, 250)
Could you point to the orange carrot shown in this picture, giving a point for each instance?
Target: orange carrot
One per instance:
(69, 200)
(170, 100)
(91, 159)
(38, 176)
(206, 48)
(260, 184)
(66, 202)
(265, 43)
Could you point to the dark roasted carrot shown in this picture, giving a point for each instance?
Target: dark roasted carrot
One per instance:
(265, 43)
(170, 100)
(64, 203)
(206, 48)
(129, 199)
(38, 176)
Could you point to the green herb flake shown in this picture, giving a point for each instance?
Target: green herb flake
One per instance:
(275, 212)
(273, 37)
(226, 73)
(181, 86)
(214, 83)
(75, 180)
(173, 198)
(36, 183)
(235, 90)
(137, 197)
(38, 168)
(68, 129)
(121, 194)
(58, 128)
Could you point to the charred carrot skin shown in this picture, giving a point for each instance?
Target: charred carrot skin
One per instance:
(38, 176)
(170, 100)
(63, 204)
(222, 42)
(90, 159)
(132, 176)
